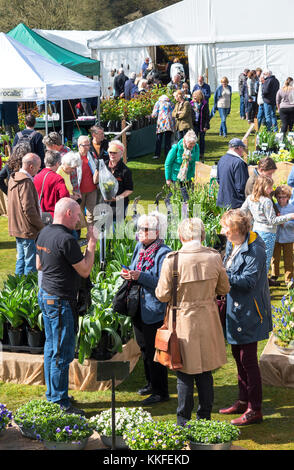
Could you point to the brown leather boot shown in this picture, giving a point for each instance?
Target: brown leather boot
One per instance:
(249, 417)
(236, 408)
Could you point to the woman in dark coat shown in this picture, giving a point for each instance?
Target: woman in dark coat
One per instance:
(200, 111)
(248, 318)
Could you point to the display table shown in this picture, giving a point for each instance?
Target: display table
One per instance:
(28, 369)
(276, 369)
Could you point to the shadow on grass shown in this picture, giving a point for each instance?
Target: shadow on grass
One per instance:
(8, 245)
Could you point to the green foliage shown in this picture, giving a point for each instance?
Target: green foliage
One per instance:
(19, 302)
(283, 320)
(211, 432)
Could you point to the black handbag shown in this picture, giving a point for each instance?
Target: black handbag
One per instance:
(127, 299)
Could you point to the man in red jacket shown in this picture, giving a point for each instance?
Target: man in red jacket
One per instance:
(53, 184)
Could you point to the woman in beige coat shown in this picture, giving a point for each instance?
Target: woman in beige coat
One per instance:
(202, 345)
(182, 114)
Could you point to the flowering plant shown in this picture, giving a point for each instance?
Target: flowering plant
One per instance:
(156, 436)
(65, 428)
(5, 416)
(34, 413)
(283, 321)
(210, 432)
(125, 419)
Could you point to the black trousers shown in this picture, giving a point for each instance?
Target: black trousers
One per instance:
(155, 373)
(287, 118)
(167, 143)
(185, 386)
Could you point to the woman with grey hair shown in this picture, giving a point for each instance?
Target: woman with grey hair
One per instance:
(70, 161)
(144, 269)
(181, 159)
(201, 276)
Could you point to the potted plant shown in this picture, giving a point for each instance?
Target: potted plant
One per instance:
(126, 419)
(65, 432)
(156, 435)
(30, 416)
(5, 417)
(204, 434)
(283, 324)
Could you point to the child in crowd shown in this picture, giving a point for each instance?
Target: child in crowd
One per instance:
(285, 236)
(265, 220)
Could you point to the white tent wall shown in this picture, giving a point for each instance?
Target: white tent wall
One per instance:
(130, 58)
(224, 36)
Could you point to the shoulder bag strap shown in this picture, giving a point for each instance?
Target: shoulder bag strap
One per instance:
(175, 286)
(41, 195)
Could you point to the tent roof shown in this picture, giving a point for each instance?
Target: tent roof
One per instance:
(75, 41)
(203, 21)
(73, 61)
(28, 76)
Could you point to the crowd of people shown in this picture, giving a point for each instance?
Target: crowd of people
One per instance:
(43, 176)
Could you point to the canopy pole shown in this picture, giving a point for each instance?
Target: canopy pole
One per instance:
(46, 116)
(62, 123)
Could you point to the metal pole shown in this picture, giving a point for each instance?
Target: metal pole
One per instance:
(113, 411)
(62, 123)
(46, 117)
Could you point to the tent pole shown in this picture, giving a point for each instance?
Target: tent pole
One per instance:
(62, 123)
(98, 111)
(46, 117)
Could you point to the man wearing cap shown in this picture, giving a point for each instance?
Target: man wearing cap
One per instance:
(232, 175)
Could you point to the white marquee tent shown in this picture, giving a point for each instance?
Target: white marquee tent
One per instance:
(223, 36)
(74, 41)
(28, 76)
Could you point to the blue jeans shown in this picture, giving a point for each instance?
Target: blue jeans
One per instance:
(185, 387)
(270, 117)
(242, 107)
(26, 256)
(223, 112)
(260, 115)
(269, 240)
(59, 346)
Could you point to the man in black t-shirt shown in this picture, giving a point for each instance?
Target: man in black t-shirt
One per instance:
(61, 261)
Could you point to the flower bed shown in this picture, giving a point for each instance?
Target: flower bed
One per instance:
(5, 417)
(283, 321)
(125, 419)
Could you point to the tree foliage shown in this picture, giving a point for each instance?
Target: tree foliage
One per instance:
(96, 15)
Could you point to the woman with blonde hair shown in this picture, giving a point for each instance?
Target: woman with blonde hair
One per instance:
(265, 221)
(285, 105)
(201, 276)
(248, 312)
(222, 103)
(182, 114)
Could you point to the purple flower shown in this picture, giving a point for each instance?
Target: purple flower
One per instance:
(58, 430)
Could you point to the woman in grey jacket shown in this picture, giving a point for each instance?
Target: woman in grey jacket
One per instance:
(285, 105)
(145, 268)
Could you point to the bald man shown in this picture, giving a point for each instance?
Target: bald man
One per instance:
(62, 262)
(24, 220)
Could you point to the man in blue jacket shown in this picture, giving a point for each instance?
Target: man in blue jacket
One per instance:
(232, 175)
(204, 87)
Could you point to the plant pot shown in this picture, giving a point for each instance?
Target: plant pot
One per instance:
(16, 336)
(35, 338)
(287, 351)
(203, 446)
(52, 445)
(26, 432)
(119, 442)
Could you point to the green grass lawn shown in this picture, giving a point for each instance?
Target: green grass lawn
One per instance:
(277, 429)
